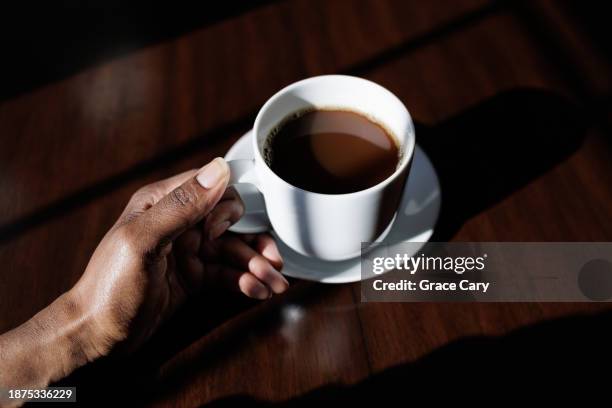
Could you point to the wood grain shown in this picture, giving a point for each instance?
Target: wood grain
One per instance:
(510, 129)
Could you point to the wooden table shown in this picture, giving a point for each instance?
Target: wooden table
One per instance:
(512, 103)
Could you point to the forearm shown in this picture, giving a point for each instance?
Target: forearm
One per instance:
(48, 347)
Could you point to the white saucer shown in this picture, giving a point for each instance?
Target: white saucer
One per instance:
(415, 221)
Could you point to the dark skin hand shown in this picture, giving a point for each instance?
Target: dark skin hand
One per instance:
(169, 243)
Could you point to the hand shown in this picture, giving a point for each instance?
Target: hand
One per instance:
(168, 244)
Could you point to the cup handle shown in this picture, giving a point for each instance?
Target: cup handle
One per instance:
(244, 179)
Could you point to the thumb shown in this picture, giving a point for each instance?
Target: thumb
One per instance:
(183, 207)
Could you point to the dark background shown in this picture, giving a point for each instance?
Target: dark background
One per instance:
(512, 104)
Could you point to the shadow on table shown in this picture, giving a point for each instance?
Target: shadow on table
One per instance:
(535, 361)
(489, 151)
(43, 42)
(482, 156)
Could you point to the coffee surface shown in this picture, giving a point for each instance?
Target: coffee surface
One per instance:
(332, 151)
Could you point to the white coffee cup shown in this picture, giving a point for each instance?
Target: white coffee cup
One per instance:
(328, 226)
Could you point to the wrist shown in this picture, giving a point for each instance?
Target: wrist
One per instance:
(49, 346)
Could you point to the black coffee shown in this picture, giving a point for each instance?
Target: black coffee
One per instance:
(331, 151)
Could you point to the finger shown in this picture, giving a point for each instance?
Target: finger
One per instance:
(170, 183)
(265, 245)
(252, 287)
(149, 195)
(189, 241)
(242, 281)
(190, 273)
(248, 238)
(243, 257)
(182, 207)
(227, 212)
(190, 265)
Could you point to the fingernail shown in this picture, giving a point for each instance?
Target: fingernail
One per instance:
(261, 292)
(217, 230)
(213, 173)
(282, 288)
(279, 287)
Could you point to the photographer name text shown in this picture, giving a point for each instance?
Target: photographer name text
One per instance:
(429, 264)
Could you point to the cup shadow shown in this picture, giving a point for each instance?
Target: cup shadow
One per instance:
(489, 151)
